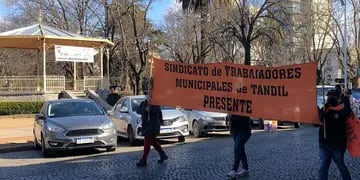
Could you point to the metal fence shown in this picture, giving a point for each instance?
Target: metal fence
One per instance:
(92, 82)
(55, 83)
(30, 84)
(34, 84)
(15, 84)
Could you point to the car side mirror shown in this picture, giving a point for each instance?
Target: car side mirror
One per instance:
(124, 109)
(39, 117)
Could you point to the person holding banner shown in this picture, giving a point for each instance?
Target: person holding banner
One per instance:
(240, 128)
(151, 118)
(332, 133)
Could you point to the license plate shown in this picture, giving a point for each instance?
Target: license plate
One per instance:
(166, 130)
(85, 140)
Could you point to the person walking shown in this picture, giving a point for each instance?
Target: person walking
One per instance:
(332, 133)
(240, 128)
(151, 117)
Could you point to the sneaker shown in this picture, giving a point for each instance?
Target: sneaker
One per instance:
(243, 172)
(163, 157)
(232, 173)
(141, 163)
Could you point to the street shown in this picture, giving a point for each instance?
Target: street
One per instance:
(284, 154)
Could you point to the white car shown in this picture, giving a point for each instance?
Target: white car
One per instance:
(128, 122)
(355, 101)
(202, 122)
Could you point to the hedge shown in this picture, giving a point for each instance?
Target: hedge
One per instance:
(20, 107)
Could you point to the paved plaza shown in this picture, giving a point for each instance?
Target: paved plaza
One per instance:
(286, 154)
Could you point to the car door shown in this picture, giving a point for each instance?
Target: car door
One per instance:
(115, 114)
(124, 115)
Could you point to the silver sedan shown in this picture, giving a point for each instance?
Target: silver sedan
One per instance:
(128, 122)
(202, 122)
(72, 124)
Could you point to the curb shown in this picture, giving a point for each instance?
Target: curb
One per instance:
(16, 147)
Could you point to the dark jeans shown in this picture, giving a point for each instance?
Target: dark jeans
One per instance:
(336, 153)
(239, 150)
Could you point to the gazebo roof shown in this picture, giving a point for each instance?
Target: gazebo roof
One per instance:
(32, 37)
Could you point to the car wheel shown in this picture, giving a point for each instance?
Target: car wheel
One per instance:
(181, 138)
(131, 136)
(36, 144)
(196, 130)
(44, 151)
(111, 149)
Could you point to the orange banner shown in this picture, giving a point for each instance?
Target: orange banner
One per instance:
(285, 93)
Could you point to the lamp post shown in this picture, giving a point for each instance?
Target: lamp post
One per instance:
(343, 3)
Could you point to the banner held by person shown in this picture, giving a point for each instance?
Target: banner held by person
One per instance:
(285, 93)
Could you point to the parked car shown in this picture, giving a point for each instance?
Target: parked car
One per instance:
(71, 124)
(128, 122)
(356, 101)
(202, 122)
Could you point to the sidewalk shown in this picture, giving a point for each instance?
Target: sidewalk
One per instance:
(16, 133)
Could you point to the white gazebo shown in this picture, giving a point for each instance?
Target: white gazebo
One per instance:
(43, 38)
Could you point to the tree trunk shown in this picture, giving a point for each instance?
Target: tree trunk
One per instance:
(203, 21)
(319, 76)
(247, 48)
(137, 84)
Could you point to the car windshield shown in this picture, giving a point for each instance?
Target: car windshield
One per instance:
(71, 108)
(135, 103)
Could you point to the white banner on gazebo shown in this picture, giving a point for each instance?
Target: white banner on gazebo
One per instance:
(74, 54)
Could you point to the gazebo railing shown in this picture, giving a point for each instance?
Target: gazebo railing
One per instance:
(30, 84)
(55, 83)
(20, 84)
(92, 82)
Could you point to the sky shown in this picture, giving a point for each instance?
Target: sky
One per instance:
(2, 10)
(157, 12)
(160, 8)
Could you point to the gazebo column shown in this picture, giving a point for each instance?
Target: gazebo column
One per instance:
(102, 67)
(44, 65)
(75, 73)
(108, 65)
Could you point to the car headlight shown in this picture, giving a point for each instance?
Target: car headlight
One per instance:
(207, 118)
(181, 119)
(54, 128)
(108, 126)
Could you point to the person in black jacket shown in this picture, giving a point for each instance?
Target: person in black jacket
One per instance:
(112, 97)
(240, 128)
(332, 133)
(150, 128)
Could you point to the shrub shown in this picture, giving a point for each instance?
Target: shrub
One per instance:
(20, 107)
